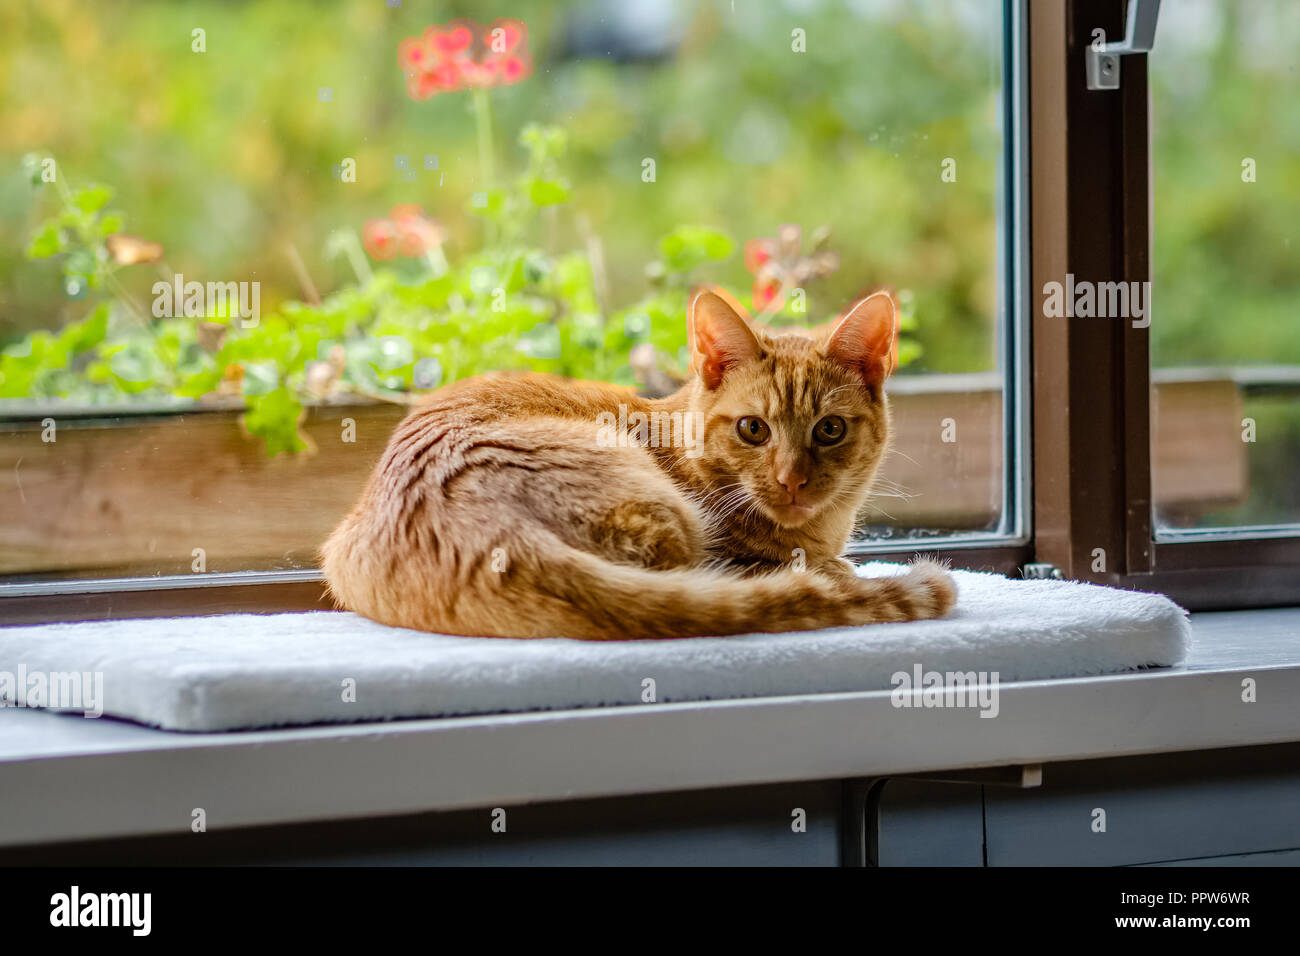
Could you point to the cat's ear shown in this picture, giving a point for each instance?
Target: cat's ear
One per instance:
(720, 337)
(866, 339)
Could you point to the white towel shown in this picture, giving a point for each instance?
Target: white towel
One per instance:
(243, 671)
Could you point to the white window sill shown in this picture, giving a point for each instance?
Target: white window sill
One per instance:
(69, 778)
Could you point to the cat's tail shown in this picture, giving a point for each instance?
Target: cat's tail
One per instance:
(558, 590)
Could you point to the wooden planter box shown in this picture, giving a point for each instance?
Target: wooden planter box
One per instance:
(136, 493)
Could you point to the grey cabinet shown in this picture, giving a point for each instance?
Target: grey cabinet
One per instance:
(1238, 805)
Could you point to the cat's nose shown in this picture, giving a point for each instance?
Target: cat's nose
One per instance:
(791, 479)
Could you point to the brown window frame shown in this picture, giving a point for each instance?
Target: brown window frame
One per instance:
(1088, 213)
(1091, 184)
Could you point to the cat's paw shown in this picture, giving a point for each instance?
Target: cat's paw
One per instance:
(931, 588)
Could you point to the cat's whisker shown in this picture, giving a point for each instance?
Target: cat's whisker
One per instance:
(876, 509)
(900, 493)
(894, 451)
(716, 505)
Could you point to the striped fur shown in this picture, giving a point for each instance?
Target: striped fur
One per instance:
(497, 511)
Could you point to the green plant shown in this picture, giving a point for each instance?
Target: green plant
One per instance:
(78, 232)
(849, 141)
(508, 305)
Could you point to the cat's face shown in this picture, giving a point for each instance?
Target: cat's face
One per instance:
(796, 421)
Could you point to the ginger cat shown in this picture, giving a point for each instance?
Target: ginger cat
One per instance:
(530, 505)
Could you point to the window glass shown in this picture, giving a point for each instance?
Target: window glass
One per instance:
(239, 239)
(1225, 332)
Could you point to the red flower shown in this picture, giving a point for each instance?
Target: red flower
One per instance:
(465, 55)
(379, 236)
(778, 266)
(406, 230)
(767, 292)
(419, 234)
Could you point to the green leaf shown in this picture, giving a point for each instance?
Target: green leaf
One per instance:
(909, 350)
(688, 247)
(16, 375)
(46, 241)
(718, 245)
(77, 337)
(490, 204)
(112, 222)
(92, 198)
(274, 418)
(546, 192)
(544, 143)
(200, 383)
(99, 372)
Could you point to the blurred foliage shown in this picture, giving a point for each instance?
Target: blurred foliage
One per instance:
(384, 337)
(227, 157)
(231, 156)
(1226, 251)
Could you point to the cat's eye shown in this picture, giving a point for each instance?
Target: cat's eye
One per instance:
(753, 430)
(829, 430)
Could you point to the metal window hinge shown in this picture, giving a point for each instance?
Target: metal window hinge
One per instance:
(1039, 571)
(1102, 59)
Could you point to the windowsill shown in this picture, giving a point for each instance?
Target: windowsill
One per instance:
(69, 778)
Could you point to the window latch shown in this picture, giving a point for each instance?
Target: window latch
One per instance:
(1102, 59)
(1040, 571)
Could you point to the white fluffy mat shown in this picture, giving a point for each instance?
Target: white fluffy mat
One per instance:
(243, 671)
